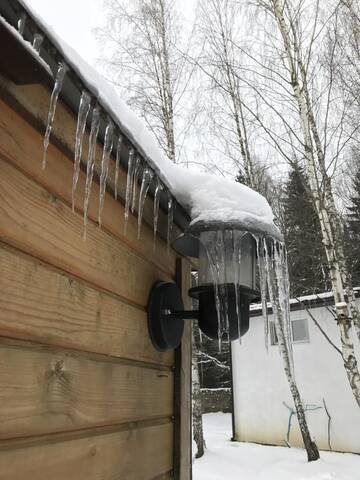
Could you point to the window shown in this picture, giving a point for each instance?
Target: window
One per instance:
(299, 331)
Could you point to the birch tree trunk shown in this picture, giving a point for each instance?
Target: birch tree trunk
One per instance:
(320, 185)
(142, 43)
(310, 445)
(217, 19)
(350, 81)
(167, 85)
(218, 23)
(284, 339)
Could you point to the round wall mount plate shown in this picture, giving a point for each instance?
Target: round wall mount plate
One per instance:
(165, 332)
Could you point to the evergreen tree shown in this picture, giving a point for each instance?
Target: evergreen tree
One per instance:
(306, 257)
(353, 232)
(240, 177)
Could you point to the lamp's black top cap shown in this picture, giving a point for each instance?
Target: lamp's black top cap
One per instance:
(188, 243)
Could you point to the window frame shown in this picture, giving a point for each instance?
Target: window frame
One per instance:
(306, 328)
(273, 337)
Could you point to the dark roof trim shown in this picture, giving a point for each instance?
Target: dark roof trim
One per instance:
(17, 63)
(12, 11)
(303, 304)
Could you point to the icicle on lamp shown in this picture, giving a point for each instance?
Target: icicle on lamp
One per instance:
(226, 284)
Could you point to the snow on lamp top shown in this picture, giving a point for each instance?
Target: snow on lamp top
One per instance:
(221, 203)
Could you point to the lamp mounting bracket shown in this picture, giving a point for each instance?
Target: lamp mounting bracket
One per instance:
(166, 316)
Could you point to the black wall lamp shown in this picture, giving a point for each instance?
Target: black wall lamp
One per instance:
(226, 285)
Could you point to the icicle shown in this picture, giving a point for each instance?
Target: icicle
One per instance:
(37, 41)
(283, 293)
(129, 186)
(62, 69)
(21, 23)
(287, 296)
(170, 222)
(84, 108)
(279, 300)
(135, 182)
(117, 165)
(95, 124)
(262, 274)
(108, 145)
(157, 196)
(208, 243)
(145, 184)
(236, 258)
(270, 279)
(221, 242)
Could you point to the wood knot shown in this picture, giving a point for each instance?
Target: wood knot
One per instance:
(58, 368)
(93, 451)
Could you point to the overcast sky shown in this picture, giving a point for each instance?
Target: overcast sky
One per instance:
(75, 20)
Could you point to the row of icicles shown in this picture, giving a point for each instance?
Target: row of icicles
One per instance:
(135, 164)
(112, 141)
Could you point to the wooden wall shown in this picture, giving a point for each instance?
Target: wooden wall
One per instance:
(83, 394)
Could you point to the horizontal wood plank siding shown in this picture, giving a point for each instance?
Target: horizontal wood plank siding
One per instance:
(21, 144)
(36, 222)
(141, 454)
(44, 305)
(46, 390)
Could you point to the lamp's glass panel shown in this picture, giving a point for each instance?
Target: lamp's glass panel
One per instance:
(247, 265)
(227, 256)
(227, 263)
(205, 274)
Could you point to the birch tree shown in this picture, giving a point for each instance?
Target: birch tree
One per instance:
(349, 61)
(221, 65)
(233, 134)
(313, 128)
(275, 295)
(218, 28)
(141, 44)
(353, 227)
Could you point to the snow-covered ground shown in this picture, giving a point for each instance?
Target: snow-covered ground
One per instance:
(226, 460)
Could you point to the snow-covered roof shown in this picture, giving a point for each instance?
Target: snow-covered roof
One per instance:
(204, 196)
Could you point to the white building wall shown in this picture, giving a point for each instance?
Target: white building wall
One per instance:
(260, 388)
